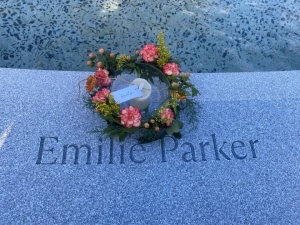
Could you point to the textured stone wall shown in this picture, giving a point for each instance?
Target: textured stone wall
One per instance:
(207, 35)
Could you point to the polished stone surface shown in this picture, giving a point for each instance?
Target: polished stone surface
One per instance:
(240, 166)
(208, 36)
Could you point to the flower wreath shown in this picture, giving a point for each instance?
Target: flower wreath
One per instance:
(151, 61)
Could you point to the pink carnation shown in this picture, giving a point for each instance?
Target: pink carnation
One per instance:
(131, 117)
(171, 69)
(149, 53)
(102, 77)
(101, 95)
(167, 116)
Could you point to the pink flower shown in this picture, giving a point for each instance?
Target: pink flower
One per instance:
(171, 69)
(167, 116)
(149, 53)
(101, 95)
(102, 77)
(131, 117)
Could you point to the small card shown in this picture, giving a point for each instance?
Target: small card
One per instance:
(126, 94)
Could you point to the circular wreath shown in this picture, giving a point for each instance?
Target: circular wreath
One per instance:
(151, 62)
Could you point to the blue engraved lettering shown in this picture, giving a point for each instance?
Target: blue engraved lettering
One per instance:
(252, 147)
(41, 150)
(234, 146)
(202, 147)
(65, 150)
(217, 151)
(163, 148)
(133, 159)
(192, 153)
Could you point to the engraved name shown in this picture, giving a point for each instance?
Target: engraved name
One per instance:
(108, 153)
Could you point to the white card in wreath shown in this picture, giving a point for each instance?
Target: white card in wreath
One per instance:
(127, 93)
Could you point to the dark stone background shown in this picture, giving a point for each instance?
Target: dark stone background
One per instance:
(208, 36)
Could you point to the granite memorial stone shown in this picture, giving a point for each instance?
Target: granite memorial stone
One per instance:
(240, 166)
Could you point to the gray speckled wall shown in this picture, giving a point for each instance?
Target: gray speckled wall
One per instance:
(208, 35)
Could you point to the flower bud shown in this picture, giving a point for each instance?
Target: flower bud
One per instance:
(112, 55)
(152, 121)
(146, 125)
(137, 52)
(156, 128)
(175, 85)
(187, 74)
(101, 50)
(89, 63)
(92, 56)
(99, 64)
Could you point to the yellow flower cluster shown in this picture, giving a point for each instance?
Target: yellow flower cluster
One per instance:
(173, 103)
(177, 95)
(108, 109)
(122, 59)
(164, 54)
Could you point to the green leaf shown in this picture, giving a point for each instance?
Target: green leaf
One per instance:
(179, 123)
(176, 111)
(116, 120)
(187, 86)
(153, 71)
(130, 130)
(110, 118)
(195, 92)
(114, 73)
(107, 53)
(144, 76)
(186, 93)
(146, 139)
(150, 138)
(169, 130)
(131, 65)
(175, 127)
(122, 136)
(177, 135)
(101, 58)
(133, 58)
(138, 70)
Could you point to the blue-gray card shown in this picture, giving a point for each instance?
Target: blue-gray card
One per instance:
(241, 165)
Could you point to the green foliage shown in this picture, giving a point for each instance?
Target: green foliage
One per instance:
(114, 130)
(87, 100)
(150, 135)
(194, 91)
(175, 127)
(192, 107)
(153, 127)
(148, 71)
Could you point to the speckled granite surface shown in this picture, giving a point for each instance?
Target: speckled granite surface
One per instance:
(240, 167)
(208, 36)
